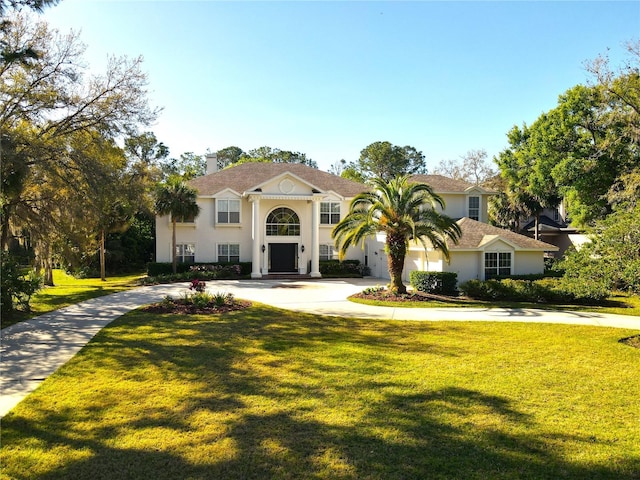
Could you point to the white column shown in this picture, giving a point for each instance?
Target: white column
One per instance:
(315, 238)
(256, 250)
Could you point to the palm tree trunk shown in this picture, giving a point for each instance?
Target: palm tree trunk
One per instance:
(537, 227)
(396, 251)
(173, 246)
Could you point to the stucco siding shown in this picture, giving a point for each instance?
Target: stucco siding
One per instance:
(466, 264)
(526, 263)
(455, 205)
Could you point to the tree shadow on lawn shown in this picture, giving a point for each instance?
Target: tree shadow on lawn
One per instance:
(233, 363)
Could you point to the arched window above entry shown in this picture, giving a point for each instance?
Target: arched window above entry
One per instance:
(284, 222)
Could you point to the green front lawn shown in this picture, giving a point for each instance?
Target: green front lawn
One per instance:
(69, 291)
(266, 393)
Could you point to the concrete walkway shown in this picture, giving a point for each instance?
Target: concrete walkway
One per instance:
(34, 349)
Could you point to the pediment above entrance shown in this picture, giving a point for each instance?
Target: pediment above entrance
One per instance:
(285, 184)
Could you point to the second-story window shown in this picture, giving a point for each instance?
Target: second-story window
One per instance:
(228, 211)
(329, 213)
(474, 208)
(283, 221)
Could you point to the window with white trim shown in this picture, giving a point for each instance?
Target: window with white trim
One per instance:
(497, 264)
(228, 252)
(474, 208)
(329, 213)
(185, 252)
(228, 211)
(283, 221)
(328, 252)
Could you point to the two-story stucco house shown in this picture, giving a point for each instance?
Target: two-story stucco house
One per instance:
(279, 217)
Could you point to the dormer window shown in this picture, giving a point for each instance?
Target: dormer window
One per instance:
(474, 208)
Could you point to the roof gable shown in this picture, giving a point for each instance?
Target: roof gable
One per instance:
(286, 183)
(247, 177)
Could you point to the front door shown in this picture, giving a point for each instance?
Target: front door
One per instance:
(283, 257)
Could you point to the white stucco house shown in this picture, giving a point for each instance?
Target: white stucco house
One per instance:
(279, 217)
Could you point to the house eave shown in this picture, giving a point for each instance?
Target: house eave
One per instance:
(252, 195)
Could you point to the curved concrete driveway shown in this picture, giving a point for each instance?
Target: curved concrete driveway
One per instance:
(34, 349)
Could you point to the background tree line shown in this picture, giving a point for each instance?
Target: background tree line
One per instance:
(79, 169)
(66, 182)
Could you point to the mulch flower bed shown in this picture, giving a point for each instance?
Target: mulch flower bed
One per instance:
(633, 341)
(198, 303)
(387, 296)
(180, 307)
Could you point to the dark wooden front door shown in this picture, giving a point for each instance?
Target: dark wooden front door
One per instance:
(283, 257)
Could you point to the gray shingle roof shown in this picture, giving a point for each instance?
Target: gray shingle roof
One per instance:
(475, 234)
(248, 175)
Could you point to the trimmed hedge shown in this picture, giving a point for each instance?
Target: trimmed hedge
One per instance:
(155, 269)
(441, 283)
(346, 268)
(541, 291)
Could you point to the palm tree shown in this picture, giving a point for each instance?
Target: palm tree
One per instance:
(177, 199)
(404, 212)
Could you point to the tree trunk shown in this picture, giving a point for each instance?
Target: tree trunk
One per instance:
(103, 275)
(396, 252)
(173, 245)
(46, 263)
(536, 230)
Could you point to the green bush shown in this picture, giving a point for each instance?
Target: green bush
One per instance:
(441, 283)
(16, 287)
(161, 268)
(585, 290)
(568, 291)
(205, 271)
(346, 268)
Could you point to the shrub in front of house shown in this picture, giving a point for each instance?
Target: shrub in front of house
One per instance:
(207, 271)
(560, 291)
(439, 283)
(346, 268)
(161, 272)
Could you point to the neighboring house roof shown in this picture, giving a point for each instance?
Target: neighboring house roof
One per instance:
(547, 225)
(247, 176)
(477, 234)
(442, 184)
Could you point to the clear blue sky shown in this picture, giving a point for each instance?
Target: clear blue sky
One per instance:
(329, 78)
